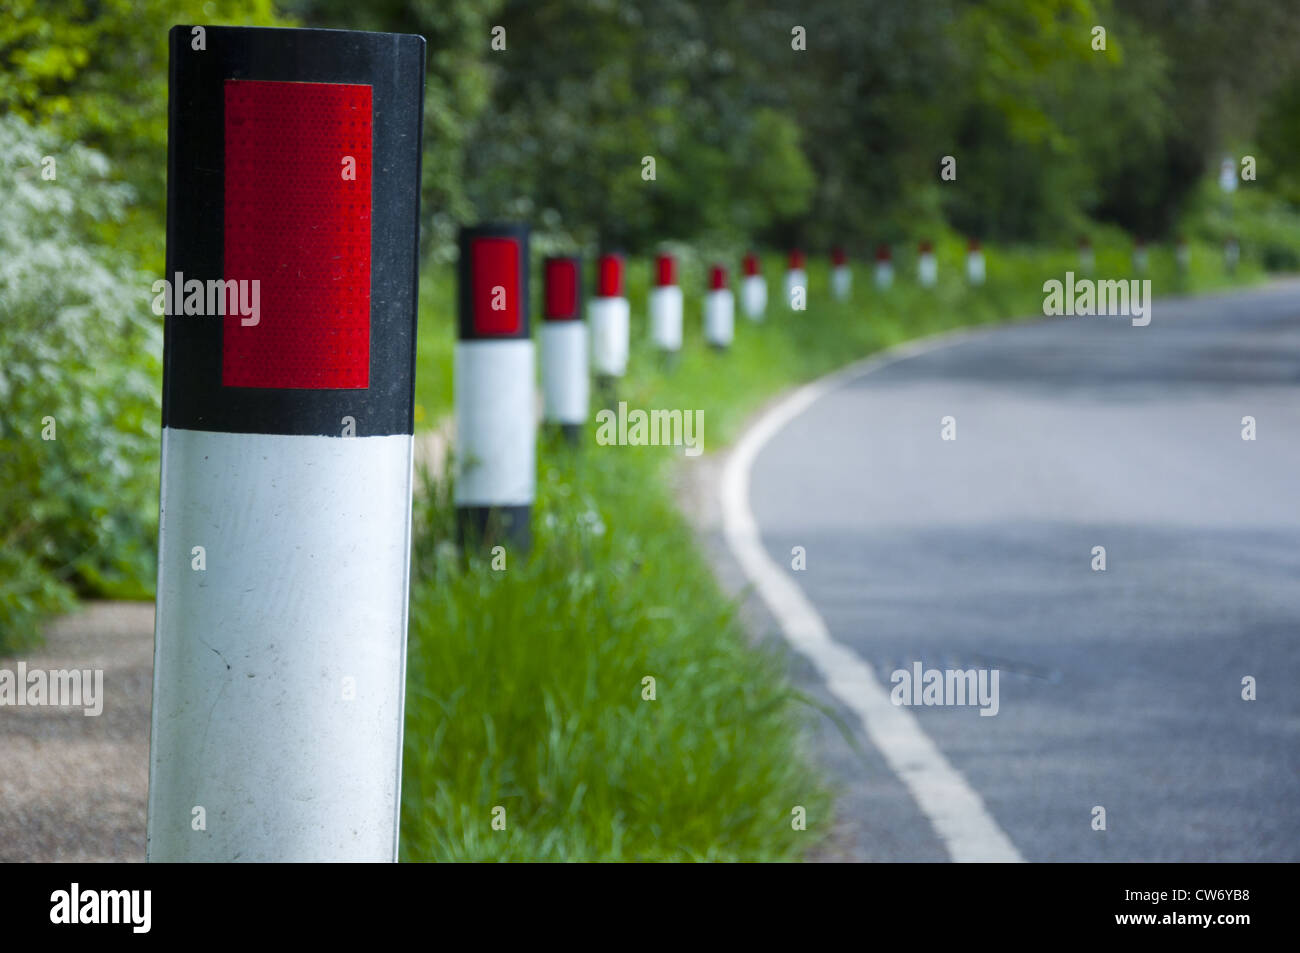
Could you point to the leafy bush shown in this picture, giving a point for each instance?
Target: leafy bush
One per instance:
(79, 387)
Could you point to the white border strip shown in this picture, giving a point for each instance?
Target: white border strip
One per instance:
(955, 809)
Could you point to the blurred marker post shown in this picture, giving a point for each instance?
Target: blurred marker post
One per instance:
(496, 424)
(884, 267)
(609, 316)
(753, 288)
(285, 503)
(796, 278)
(927, 269)
(1087, 259)
(666, 308)
(1139, 256)
(1228, 175)
(841, 274)
(1182, 255)
(974, 263)
(719, 310)
(1228, 183)
(566, 384)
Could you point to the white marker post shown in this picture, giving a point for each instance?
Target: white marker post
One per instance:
(1182, 255)
(666, 307)
(609, 316)
(719, 310)
(496, 423)
(566, 383)
(1087, 260)
(884, 267)
(1231, 255)
(753, 289)
(1228, 174)
(974, 263)
(841, 274)
(796, 277)
(285, 505)
(927, 269)
(1139, 257)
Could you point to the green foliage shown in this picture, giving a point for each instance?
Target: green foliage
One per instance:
(94, 72)
(81, 356)
(574, 118)
(457, 87)
(1279, 142)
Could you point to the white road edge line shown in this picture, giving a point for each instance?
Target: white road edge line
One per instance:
(952, 806)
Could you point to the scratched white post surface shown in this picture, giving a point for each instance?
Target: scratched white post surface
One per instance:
(496, 423)
(666, 317)
(306, 542)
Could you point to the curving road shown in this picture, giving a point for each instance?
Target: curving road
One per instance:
(1119, 689)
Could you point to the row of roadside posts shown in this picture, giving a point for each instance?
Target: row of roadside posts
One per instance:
(495, 481)
(496, 439)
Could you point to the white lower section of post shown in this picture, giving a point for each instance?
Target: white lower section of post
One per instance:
(666, 317)
(719, 317)
(753, 296)
(927, 270)
(795, 278)
(279, 666)
(884, 274)
(496, 423)
(610, 319)
(566, 381)
(975, 267)
(841, 282)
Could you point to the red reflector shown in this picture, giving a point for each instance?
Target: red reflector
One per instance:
(717, 278)
(561, 280)
(610, 281)
(796, 259)
(494, 285)
(882, 253)
(666, 271)
(298, 223)
(751, 265)
(838, 257)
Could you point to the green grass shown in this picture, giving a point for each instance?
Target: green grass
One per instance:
(525, 691)
(524, 686)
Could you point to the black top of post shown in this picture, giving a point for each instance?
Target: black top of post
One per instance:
(492, 287)
(262, 127)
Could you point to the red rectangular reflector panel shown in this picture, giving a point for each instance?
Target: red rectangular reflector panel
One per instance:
(561, 289)
(609, 280)
(494, 285)
(666, 271)
(297, 220)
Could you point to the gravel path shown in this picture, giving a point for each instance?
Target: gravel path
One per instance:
(72, 787)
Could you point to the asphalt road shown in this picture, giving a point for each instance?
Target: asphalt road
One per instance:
(1120, 689)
